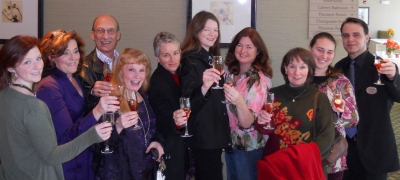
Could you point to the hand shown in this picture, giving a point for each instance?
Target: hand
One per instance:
(180, 117)
(232, 95)
(104, 130)
(107, 104)
(102, 88)
(159, 148)
(264, 117)
(388, 68)
(341, 108)
(210, 76)
(127, 120)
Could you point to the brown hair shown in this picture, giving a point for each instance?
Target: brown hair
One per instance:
(192, 42)
(55, 43)
(299, 54)
(12, 53)
(331, 71)
(260, 63)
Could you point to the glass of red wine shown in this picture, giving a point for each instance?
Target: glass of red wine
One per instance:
(108, 117)
(378, 64)
(133, 105)
(228, 81)
(184, 103)
(107, 71)
(337, 101)
(269, 106)
(217, 64)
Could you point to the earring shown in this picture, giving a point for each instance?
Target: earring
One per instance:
(12, 74)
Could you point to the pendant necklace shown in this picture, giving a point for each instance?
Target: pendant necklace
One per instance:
(25, 87)
(148, 127)
(294, 98)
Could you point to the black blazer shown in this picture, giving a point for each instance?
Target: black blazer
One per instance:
(208, 121)
(164, 94)
(376, 143)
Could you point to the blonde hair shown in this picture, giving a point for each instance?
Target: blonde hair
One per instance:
(130, 56)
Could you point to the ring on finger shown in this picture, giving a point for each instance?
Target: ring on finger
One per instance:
(98, 91)
(108, 107)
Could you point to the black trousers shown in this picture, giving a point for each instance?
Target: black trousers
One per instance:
(356, 170)
(208, 164)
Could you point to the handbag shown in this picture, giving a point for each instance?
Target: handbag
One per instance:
(339, 146)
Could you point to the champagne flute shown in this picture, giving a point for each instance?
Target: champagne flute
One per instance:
(378, 64)
(133, 105)
(269, 106)
(108, 117)
(185, 105)
(228, 81)
(217, 64)
(337, 101)
(117, 92)
(107, 71)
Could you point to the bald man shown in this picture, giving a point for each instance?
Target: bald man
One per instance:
(105, 33)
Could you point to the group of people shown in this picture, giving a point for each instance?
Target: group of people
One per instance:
(54, 130)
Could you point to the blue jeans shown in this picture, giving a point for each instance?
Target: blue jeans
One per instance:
(242, 165)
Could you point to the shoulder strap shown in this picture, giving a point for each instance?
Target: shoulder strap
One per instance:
(315, 112)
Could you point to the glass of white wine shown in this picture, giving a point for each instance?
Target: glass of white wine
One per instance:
(184, 103)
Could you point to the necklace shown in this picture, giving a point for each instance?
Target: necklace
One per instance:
(25, 87)
(294, 98)
(148, 127)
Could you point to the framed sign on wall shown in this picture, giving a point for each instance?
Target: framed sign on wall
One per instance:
(363, 14)
(233, 15)
(21, 17)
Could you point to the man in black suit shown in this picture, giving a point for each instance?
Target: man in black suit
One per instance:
(105, 33)
(372, 151)
(164, 93)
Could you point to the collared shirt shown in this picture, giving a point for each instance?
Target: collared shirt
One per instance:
(104, 58)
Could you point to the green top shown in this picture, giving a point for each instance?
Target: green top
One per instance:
(28, 140)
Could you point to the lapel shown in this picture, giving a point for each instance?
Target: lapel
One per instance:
(363, 79)
(171, 83)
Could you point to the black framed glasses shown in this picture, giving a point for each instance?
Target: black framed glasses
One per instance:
(101, 31)
(59, 33)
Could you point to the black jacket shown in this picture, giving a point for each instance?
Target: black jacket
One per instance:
(208, 121)
(92, 71)
(376, 144)
(164, 94)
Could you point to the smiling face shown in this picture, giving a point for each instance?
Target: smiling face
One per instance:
(354, 39)
(209, 34)
(29, 70)
(323, 52)
(297, 72)
(105, 42)
(245, 52)
(133, 76)
(68, 62)
(170, 56)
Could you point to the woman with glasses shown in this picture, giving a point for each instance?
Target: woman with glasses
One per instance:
(63, 93)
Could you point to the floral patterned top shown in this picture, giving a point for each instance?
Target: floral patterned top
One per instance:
(249, 139)
(349, 118)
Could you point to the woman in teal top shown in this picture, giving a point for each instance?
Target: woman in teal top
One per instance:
(27, 137)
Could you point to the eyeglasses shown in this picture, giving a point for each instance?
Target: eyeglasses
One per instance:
(101, 31)
(59, 33)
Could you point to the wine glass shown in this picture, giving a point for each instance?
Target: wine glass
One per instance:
(185, 105)
(228, 81)
(108, 117)
(337, 101)
(378, 64)
(107, 71)
(117, 92)
(133, 105)
(269, 106)
(217, 64)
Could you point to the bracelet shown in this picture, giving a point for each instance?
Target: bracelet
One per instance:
(91, 91)
(254, 114)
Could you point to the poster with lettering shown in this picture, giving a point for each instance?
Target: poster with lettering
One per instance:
(328, 15)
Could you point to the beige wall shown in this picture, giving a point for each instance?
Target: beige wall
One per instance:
(283, 24)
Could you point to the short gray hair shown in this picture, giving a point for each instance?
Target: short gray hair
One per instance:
(163, 38)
